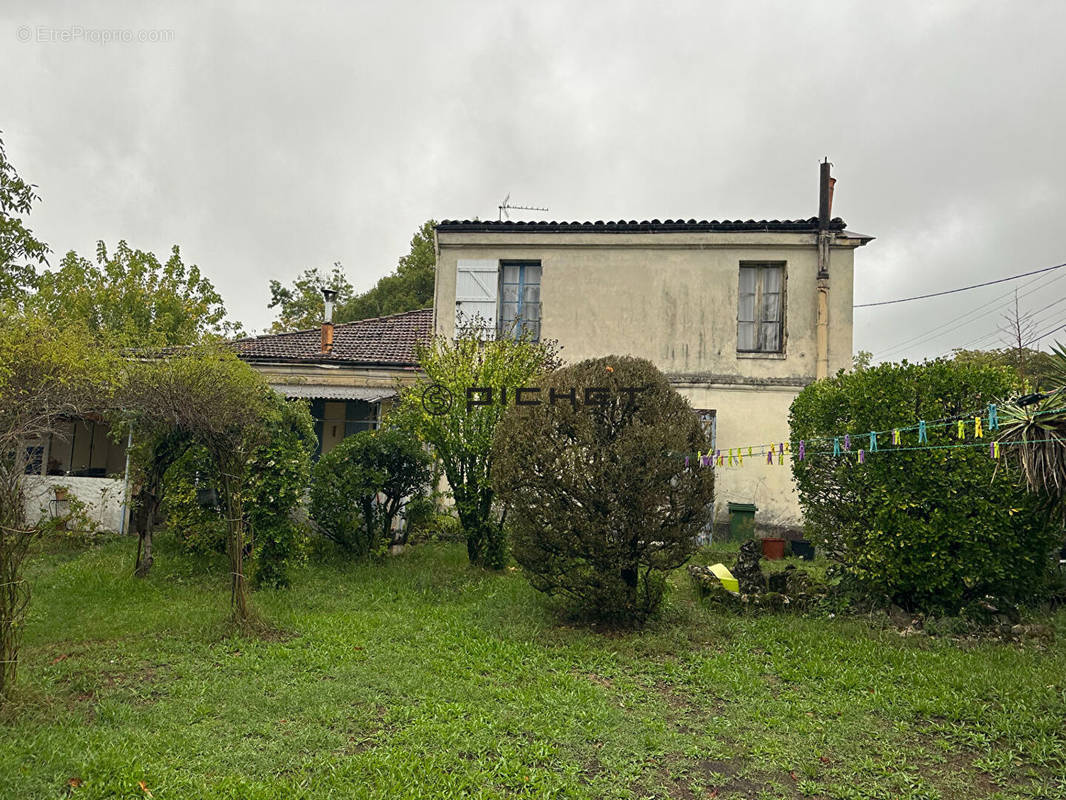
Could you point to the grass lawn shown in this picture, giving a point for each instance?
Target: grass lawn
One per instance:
(424, 678)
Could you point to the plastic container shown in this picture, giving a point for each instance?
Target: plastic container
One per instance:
(741, 521)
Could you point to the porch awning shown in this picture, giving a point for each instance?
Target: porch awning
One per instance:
(311, 391)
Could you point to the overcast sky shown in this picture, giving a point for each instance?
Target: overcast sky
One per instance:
(268, 141)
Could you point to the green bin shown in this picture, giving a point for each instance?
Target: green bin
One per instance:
(741, 521)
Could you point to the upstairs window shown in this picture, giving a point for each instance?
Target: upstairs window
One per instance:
(520, 298)
(760, 316)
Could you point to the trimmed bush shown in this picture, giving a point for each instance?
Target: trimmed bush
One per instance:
(599, 503)
(361, 485)
(928, 529)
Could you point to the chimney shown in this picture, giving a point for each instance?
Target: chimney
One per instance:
(825, 195)
(329, 295)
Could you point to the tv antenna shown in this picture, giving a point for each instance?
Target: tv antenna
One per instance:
(506, 206)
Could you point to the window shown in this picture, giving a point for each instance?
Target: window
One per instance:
(760, 317)
(520, 298)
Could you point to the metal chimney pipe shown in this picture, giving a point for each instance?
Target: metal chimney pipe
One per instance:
(328, 295)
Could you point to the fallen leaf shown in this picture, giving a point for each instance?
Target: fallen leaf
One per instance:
(63, 657)
(823, 759)
(792, 774)
(712, 793)
(357, 648)
(144, 788)
(75, 782)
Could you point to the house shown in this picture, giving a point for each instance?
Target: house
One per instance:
(740, 316)
(351, 372)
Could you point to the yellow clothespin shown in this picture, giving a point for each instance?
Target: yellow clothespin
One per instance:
(995, 449)
(896, 438)
(962, 429)
(977, 432)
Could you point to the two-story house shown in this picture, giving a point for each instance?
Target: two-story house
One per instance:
(739, 315)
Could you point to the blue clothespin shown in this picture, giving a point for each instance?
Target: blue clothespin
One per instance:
(922, 436)
(993, 417)
(836, 445)
(873, 442)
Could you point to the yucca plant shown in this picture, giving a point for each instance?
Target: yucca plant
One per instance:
(1035, 431)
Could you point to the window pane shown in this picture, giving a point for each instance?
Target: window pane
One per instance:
(531, 294)
(771, 279)
(746, 312)
(510, 273)
(508, 311)
(509, 293)
(745, 336)
(771, 307)
(532, 274)
(747, 280)
(531, 311)
(771, 338)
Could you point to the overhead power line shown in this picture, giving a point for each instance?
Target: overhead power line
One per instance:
(960, 289)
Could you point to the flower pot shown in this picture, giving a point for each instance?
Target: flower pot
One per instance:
(62, 493)
(773, 548)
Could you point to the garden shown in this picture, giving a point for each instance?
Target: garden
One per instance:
(501, 601)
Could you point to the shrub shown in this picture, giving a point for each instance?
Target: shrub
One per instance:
(201, 530)
(363, 483)
(280, 473)
(599, 502)
(928, 529)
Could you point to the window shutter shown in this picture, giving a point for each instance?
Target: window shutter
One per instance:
(476, 283)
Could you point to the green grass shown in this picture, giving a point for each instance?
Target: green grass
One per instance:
(422, 677)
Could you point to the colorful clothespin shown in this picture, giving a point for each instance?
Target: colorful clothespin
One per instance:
(873, 441)
(770, 455)
(780, 454)
(802, 450)
(847, 441)
(749, 452)
(686, 462)
(836, 445)
(862, 456)
(993, 449)
(977, 432)
(962, 429)
(993, 417)
(923, 437)
(896, 439)
(718, 455)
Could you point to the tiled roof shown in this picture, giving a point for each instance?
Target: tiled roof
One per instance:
(382, 340)
(632, 226)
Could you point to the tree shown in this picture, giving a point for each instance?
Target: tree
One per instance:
(862, 360)
(224, 405)
(599, 501)
(460, 431)
(20, 250)
(1034, 428)
(408, 288)
(1033, 366)
(47, 373)
(131, 299)
(363, 483)
(929, 525)
(300, 306)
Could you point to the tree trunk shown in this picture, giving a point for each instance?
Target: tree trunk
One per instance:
(145, 524)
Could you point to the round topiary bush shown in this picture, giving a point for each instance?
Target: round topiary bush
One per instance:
(929, 526)
(598, 499)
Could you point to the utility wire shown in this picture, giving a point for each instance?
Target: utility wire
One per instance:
(943, 328)
(961, 289)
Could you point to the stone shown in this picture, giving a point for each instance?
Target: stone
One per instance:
(747, 570)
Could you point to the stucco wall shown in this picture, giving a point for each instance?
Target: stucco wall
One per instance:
(673, 298)
(103, 498)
